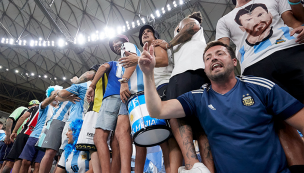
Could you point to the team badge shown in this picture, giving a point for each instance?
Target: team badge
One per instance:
(84, 156)
(248, 100)
(280, 41)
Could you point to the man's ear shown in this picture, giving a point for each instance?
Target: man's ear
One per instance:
(234, 62)
(242, 28)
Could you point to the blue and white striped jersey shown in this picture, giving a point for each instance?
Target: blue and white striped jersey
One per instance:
(136, 81)
(2, 135)
(75, 162)
(63, 111)
(44, 115)
(77, 109)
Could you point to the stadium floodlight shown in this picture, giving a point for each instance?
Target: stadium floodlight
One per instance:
(45, 76)
(61, 42)
(53, 43)
(32, 74)
(152, 16)
(93, 37)
(55, 78)
(26, 74)
(24, 42)
(123, 29)
(138, 23)
(64, 78)
(101, 35)
(0, 67)
(181, 2)
(163, 10)
(168, 7)
(36, 43)
(80, 39)
(118, 30)
(16, 71)
(174, 4)
(39, 76)
(7, 69)
(20, 42)
(133, 25)
(2, 40)
(6, 41)
(11, 41)
(32, 43)
(143, 20)
(157, 13)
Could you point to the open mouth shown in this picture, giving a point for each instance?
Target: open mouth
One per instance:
(145, 37)
(216, 66)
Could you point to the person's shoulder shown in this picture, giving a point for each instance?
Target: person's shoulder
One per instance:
(258, 82)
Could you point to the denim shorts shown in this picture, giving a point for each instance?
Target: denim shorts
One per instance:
(123, 109)
(107, 116)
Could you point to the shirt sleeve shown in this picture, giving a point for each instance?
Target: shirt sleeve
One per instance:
(188, 103)
(74, 89)
(283, 6)
(281, 103)
(95, 67)
(31, 109)
(15, 115)
(61, 162)
(221, 29)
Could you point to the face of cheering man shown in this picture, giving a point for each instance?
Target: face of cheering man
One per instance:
(218, 63)
(69, 135)
(147, 36)
(256, 23)
(117, 45)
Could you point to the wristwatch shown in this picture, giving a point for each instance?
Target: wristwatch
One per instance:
(123, 80)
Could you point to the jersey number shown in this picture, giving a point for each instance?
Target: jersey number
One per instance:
(75, 168)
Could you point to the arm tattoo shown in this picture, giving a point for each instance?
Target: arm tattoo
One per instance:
(8, 128)
(183, 36)
(86, 77)
(207, 151)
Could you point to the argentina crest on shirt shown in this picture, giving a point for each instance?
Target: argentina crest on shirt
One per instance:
(247, 100)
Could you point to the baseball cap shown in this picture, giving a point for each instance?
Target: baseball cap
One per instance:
(32, 102)
(156, 35)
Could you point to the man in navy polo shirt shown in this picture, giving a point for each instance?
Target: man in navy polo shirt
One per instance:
(236, 113)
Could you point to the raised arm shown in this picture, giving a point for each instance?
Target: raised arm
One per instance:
(156, 108)
(48, 100)
(88, 75)
(100, 72)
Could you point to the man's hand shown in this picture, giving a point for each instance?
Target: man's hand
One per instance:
(147, 60)
(128, 61)
(7, 140)
(162, 43)
(73, 98)
(299, 30)
(124, 92)
(74, 79)
(90, 94)
(13, 137)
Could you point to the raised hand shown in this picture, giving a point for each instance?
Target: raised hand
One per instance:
(74, 79)
(90, 94)
(131, 59)
(147, 60)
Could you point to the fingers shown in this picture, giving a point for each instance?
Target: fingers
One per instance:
(300, 37)
(145, 48)
(123, 97)
(151, 50)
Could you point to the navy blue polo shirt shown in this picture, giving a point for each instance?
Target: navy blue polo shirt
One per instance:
(239, 124)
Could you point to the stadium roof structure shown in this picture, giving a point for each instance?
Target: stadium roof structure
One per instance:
(47, 42)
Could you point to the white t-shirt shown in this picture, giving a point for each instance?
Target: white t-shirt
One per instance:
(274, 35)
(163, 74)
(189, 55)
(75, 162)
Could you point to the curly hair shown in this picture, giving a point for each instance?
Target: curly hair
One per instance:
(197, 16)
(75, 126)
(50, 89)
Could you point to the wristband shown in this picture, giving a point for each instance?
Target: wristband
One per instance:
(294, 3)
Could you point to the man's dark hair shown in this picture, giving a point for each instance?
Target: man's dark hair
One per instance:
(246, 11)
(197, 16)
(218, 43)
(1, 122)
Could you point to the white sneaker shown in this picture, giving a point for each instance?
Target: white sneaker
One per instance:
(197, 168)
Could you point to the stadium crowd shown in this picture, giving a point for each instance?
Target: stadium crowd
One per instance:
(171, 93)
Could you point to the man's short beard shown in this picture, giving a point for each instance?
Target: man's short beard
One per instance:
(222, 76)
